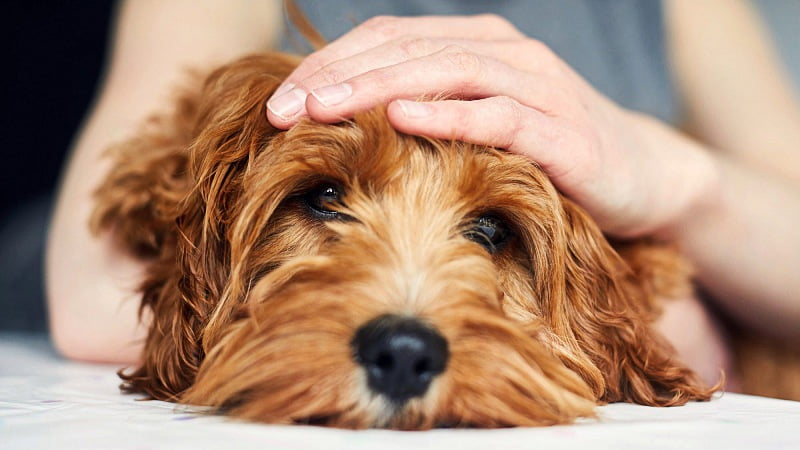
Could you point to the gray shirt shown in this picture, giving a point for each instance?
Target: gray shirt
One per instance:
(617, 45)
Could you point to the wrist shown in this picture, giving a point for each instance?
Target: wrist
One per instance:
(685, 181)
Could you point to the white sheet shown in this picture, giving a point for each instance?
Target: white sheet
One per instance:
(47, 402)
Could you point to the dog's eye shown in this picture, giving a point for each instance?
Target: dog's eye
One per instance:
(488, 231)
(321, 199)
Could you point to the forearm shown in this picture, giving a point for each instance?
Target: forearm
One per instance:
(746, 248)
(740, 232)
(91, 285)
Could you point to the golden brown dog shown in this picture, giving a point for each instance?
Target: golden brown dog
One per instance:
(352, 276)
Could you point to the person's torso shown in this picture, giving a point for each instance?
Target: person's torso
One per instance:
(617, 45)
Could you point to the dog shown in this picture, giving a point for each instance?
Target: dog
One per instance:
(351, 276)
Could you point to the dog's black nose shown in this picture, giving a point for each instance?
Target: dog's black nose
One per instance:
(401, 356)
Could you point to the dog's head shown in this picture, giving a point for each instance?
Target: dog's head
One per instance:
(352, 276)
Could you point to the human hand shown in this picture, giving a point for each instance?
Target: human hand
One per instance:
(506, 91)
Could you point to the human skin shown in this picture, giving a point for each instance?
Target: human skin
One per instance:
(734, 186)
(634, 175)
(91, 284)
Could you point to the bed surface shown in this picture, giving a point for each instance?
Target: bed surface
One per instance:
(48, 402)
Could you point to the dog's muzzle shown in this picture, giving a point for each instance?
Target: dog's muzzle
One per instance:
(401, 356)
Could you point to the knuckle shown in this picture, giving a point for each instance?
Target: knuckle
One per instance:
(498, 22)
(508, 105)
(544, 56)
(534, 46)
(386, 26)
(314, 62)
(539, 49)
(465, 61)
(513, 115)
(462, 122)
(414, 46)
(327, 75)
(380, 80)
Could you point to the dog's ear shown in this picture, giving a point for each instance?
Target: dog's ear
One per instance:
(138, 203)
(169, 198)
(214, 123)
(218, 217)
(608, 311)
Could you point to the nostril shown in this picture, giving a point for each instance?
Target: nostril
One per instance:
(401, 356)
(421, 368)
(385, 361)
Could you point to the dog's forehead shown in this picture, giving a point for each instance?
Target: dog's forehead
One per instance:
(367, 151)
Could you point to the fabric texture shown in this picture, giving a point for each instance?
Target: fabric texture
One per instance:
(48, 402)
(617, 45)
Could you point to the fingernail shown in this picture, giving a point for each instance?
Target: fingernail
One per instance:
(289, 104)
(334, 94)
(415, 110)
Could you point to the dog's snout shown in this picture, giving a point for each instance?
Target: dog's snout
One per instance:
(401, 356)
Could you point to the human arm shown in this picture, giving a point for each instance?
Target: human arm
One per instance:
(741, 106)
(633, 174)
(91, 284)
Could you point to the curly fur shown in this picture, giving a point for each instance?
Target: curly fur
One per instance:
(255, 301)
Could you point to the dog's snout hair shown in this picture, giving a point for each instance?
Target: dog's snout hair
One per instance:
(352, 276)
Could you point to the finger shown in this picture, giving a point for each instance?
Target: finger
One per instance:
(412, 47)
(452, 72)
(372, 33)
(287, 105)
(379, 30)
(500, 122)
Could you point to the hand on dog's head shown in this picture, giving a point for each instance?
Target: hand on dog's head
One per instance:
(352, 276)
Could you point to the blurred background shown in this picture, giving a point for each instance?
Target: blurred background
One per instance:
(53, 56)
(52, 59)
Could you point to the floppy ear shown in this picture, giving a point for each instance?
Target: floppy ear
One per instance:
(609, 309)
(169, 199)
(231, 131)
(138, 203)
(138, 199)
